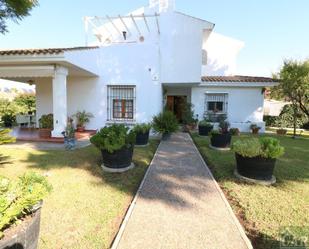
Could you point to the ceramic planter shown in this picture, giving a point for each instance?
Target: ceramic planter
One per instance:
(25, 236)
(44, 133)
(221, 140)
(258, 168)
(204, 130)
(119, 159)
(142, 138)
(255, 130)
(166, 136)
(80, 128)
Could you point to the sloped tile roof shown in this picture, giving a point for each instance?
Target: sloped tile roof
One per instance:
(236, 78)
(41, 51)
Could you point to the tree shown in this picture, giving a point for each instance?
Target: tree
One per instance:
(26, 101)
(294, 86)
(15, 10)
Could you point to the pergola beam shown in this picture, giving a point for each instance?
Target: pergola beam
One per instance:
(145, 20)
(135, 24)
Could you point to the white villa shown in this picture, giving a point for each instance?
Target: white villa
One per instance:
(137, 64)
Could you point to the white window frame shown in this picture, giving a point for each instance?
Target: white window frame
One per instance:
(216, 97)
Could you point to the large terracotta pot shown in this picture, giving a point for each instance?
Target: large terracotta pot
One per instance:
(142, 138)
(221, 140)
(258, 168)
(119, 159)
(25, 236)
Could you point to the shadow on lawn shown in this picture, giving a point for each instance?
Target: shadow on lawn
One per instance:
(89, 159)
(166, 183)
(4, 160)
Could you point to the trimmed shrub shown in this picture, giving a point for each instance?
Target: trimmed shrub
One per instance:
(113, 138)
(142, 128)
(165, 122)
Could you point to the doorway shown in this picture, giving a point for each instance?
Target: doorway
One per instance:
(176, 104)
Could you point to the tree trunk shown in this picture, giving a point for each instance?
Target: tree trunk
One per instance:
(294, 119)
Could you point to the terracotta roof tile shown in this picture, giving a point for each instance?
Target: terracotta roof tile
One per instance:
(41, 51)
(236, 78)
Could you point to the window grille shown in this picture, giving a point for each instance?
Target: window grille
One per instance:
(216, 106)
(121, 103)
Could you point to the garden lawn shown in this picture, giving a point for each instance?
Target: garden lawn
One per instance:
(87, 205)
(265, 210)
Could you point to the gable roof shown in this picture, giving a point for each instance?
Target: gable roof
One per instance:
(238, 78)
(43, 51)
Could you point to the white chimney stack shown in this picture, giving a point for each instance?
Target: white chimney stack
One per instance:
(163, 5)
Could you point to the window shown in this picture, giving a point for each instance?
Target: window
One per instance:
(121, 103)
(216, 106)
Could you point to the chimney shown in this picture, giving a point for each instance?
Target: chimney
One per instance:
(163, 5)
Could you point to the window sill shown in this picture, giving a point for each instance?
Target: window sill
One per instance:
(126, 122)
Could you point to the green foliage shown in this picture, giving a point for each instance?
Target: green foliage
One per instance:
(205, 123)
(5, 137)
(188, 114)
(47, 121)
(82, 118)
(18, 198)
(248, 147)
(266, 147)
(14, 10)
(214, 132)
(142, 128)
(113, 138)
(8, 120)
(271, 147)
(294, 84)
(254, 127)
(165, 122)
(69, 129)
(26, 101)
(234, 131)
(224, 126)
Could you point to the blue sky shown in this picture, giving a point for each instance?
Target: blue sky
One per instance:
(271, 29)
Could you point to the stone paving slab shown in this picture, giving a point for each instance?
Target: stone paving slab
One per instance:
(179, 205)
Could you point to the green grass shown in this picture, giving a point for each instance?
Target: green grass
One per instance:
(87, 205)
(265, 210)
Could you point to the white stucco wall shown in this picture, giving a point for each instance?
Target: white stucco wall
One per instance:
(244, 104)
(44, 98)
(181, 42)
(222, 52)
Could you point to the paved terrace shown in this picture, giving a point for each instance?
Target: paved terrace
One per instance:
(180, 205)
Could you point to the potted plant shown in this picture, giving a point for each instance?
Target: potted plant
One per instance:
(142, 133)
(165, 123)
(8, 120)
(234, 131)
(281, 131)
(204, 127)
(82, 118)
(21, 201)
(256, 158)
(69, 135)
(116, 143)
(254, 128)
(188, 119)
(46, 124)
(221, 138)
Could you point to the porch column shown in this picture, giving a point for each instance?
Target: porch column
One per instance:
(59, 85)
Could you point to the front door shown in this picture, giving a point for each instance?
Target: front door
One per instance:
(176, 104)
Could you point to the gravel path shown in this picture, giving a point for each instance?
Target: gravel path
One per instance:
(180, 205)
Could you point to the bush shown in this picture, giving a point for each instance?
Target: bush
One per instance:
(46, 121)
(224, 126)
(205, 123)
(306, 126)
(165, 122)
(18, 198)
(5, 137)
(247, 147)
(286, 119)
(271, 147)
(214, 132)
(266, 147)
(188, 114)
(142, 128)
(8, 120)
(234, 131)
(113, 138)
(254, 127)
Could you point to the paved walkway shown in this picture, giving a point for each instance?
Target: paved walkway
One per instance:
(180, 205)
